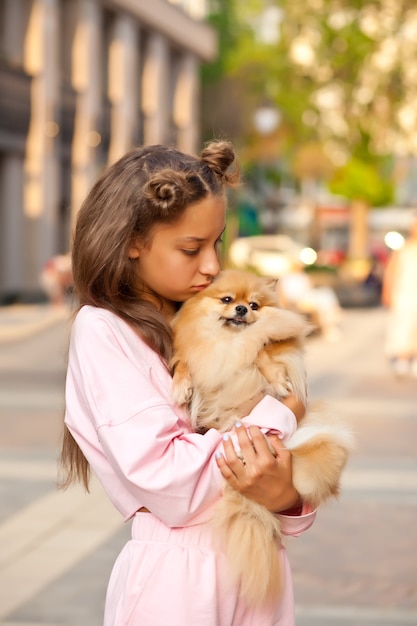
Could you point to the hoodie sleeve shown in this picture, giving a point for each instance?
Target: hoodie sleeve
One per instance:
(294, 525)
(272, 416)
(136, 440)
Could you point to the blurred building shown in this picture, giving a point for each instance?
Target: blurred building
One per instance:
(81, 81)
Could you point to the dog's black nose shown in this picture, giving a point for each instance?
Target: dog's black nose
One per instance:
(241, 310)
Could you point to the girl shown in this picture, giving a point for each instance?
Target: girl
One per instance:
(146, 239)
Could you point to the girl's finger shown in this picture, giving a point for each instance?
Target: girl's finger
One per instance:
(259, 441)
(232, 458)
(246, 444)
(276, 443)
(229, 449)
(222, 465)
(254, 445)
(225, 470)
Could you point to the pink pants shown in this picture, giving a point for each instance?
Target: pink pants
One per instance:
(173, 577)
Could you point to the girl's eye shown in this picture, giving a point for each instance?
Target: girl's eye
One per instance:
(218, 243)
(226, 299)
(191, 252)
(254, 306)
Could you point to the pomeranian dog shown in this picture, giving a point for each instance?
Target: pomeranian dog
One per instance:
(233, 344)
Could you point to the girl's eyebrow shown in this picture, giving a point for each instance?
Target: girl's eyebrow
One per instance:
(198, 239)
(191, 238)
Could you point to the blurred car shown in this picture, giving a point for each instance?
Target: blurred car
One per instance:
(331, 257)
(270, 255)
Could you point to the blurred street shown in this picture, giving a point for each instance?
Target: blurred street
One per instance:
(356, 567)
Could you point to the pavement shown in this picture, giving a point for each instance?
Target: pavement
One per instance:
(20, 321)
(46, 535)
(356, 566)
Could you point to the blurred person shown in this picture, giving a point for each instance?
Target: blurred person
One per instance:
(56, 278)
(320, 304)
(374, 279)
(399, 295)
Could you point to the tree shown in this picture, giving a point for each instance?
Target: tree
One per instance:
(362, 184)
(340, 71)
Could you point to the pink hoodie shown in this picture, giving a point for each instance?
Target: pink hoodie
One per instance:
(138, 443)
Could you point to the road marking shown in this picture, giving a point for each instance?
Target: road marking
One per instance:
(28, 471)
(49, 537)
(33, 399)
(383, 407)
(379, 479)
(361, 615)
(17, 323)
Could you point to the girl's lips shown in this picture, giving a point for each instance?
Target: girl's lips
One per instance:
(201, 287)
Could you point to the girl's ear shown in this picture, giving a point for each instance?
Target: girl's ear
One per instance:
(134, 250)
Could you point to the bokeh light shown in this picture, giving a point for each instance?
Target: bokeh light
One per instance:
(308, 256)
(394, 240)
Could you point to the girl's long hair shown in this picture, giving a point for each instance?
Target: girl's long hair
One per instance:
(149, 185)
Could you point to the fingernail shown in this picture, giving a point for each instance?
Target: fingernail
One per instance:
(238, 424)
(218, 455)
(226, 437)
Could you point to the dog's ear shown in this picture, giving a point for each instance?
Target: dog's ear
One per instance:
(271, 283)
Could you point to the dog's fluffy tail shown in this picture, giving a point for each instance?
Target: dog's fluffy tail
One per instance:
(249, 535)
(320, 449)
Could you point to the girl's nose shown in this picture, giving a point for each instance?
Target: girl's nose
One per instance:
(210, 265)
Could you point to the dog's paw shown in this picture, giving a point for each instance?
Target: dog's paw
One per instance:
(182, 387)
(182, 391)
(282, 384)
(285, 388)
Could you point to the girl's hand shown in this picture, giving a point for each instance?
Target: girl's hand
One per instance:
(258, 474)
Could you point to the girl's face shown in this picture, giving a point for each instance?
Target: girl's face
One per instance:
(181, 259)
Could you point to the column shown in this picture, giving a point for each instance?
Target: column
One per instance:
(12, 249)
(186, 104)
(155, 91)
(86, 81)
(41, 166)
(123, 85)
(13, 17)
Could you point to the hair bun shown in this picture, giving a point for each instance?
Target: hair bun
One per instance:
(219, 156)
(166, 190)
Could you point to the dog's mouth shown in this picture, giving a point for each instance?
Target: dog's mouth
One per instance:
(234, 321)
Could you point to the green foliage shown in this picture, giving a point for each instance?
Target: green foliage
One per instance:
(222, 18)
(343, 49)
(271, 174)
(358, 180)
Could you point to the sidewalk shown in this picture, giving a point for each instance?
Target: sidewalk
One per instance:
(20, 321)
(355, 567)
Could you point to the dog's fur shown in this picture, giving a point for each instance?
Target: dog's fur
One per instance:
(233, 344)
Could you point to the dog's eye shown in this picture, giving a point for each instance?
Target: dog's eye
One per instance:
(226, 299)
(254, 306)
